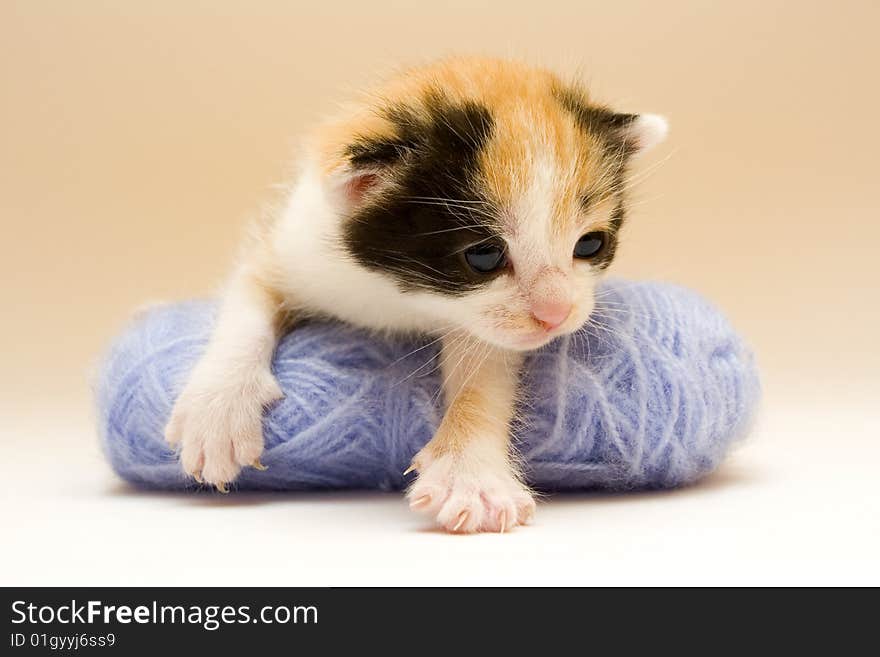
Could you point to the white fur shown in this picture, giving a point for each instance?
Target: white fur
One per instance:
(467, 493)
(648, 130)
(318, 277)
(217, 419)
(467, 478)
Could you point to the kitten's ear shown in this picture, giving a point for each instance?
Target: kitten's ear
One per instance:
(369, 166)
(635, 133)
(351, 186)
(354, 185)
(641, 132)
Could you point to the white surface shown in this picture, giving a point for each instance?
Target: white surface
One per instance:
(798, 504)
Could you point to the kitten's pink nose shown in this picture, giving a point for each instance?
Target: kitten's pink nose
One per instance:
(551, 314)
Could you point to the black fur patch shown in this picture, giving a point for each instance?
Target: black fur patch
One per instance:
(597, 120)
(604, 259)
(610, 127)
(618, 215)
(419, 230)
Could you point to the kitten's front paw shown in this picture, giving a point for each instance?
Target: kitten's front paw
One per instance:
(218, 426)
(469, 496)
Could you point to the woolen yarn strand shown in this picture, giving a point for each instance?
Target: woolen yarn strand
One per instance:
(652, 394)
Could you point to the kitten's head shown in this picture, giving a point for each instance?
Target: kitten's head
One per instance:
(492, 193)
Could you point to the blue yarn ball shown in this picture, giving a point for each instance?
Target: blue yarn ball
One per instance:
(653, 395)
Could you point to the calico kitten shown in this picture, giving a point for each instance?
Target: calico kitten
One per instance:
(476, 200)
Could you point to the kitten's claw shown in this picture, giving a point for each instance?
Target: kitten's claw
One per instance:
(424, 500)
(218, 429)
(462, 518)
(484, 497)
(259, 466)
(411, 468)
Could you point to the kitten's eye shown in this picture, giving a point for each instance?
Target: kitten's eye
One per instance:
(589, 245)
(485, 258)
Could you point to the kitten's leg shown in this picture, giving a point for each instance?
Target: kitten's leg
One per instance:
(467, 475)
(217, 420)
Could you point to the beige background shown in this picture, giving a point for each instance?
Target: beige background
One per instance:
(136, 138)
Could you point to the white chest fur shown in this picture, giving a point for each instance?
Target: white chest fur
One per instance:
(322, 277)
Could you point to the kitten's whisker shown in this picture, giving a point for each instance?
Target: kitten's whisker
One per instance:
(445, 230)
(485, 352)
(446, 200)
(477, 211)
(646, 173)
(428, 361)
(407, 259)
(630, 204)
(425, 346)
(597, 336)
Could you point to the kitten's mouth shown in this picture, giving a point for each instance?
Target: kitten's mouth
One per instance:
(534, 340)
(528, 339)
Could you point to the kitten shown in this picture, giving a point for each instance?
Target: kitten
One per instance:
(475, 200)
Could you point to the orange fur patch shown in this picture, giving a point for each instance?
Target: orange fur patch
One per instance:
(531, 128)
